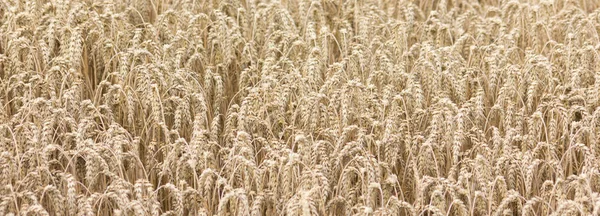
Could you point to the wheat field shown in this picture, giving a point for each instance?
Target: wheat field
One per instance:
(299, 107)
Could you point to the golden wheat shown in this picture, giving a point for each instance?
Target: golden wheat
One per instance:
(299, 107)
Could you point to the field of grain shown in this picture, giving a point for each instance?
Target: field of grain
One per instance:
(299, 107)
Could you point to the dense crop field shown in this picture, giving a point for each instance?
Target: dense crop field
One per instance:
(299, 107)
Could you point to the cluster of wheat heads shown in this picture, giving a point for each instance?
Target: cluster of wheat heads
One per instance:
(299, 107)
